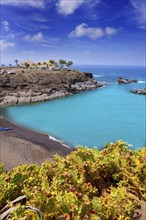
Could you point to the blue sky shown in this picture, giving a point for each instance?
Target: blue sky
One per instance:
(99, 32)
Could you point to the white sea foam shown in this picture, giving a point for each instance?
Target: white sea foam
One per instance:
(97, 75)
(141, 81)
(54, 139)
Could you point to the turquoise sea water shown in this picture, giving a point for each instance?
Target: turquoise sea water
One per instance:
(95, 117)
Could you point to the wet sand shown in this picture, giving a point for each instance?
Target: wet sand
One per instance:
(22, 145)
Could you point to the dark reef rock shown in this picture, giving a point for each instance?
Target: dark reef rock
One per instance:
(139, 91)
(126, 81)
(30, 85)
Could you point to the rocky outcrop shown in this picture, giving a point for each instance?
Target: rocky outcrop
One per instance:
(126, 81)
(28, 86)
(139, 91)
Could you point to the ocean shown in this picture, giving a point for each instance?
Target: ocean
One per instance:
(96, 117)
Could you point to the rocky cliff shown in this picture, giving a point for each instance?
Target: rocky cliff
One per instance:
(20, 86)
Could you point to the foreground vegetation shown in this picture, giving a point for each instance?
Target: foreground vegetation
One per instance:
(87, 184)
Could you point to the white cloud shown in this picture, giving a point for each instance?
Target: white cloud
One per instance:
(110, 31)
(35, 38)
(139, 12)
(83, 30)
(67, 7)
(19, 3)
(4, 44)
(6, 25)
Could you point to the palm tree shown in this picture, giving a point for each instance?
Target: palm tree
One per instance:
(16, 61)
(69, 63)
(62, 63)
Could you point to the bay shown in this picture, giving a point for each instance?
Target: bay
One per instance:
(92, 118)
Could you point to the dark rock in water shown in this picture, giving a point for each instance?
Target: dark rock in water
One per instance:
(126, 81)
(90, 75)
(139, 91)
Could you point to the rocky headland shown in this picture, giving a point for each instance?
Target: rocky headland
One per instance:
(20, 86)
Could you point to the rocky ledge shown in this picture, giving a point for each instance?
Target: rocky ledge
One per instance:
(139, 91)
(19, 86)
(126, 81)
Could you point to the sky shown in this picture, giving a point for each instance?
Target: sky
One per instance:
(96, 32)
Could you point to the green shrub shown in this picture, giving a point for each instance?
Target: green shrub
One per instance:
(87, 184)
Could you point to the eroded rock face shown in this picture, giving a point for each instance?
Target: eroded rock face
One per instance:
(27, 86)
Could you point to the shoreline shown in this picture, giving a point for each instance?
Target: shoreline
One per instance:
(24, 145)
(29, 133)
(24, 86)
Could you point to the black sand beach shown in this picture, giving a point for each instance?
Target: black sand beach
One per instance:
(22, 145)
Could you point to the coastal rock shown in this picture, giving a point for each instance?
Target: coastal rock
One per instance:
(2, 71)
(40, 85)
(39, 98)
(139, 91)
(28, 94)
(9, 100)
(23, 100)
(2, 94)
(84, 86)
(58, 95)
(22, 94)
(46, 97)
(126, 81)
